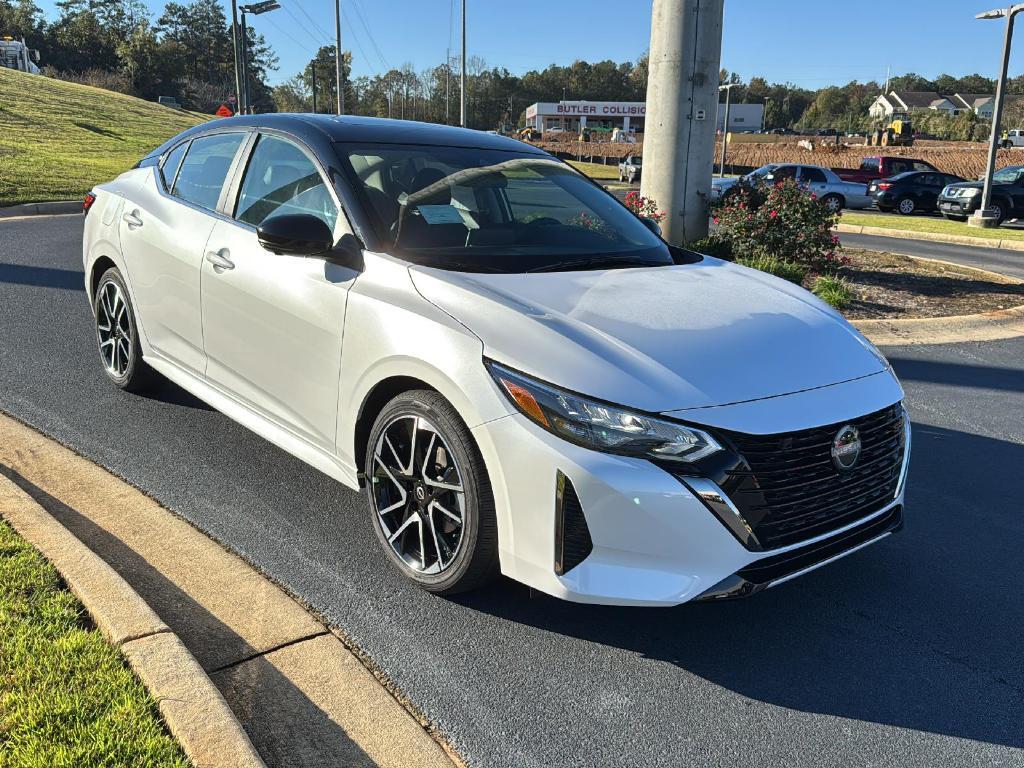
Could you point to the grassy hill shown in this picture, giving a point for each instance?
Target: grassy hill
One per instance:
(58, 139)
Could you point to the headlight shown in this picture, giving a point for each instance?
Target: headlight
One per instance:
(600, 426)
(970, 192)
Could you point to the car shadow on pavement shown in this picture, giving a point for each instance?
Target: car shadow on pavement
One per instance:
(286, 727)
(960, 375)
(166, 391)
(42, 277)
(920, 630)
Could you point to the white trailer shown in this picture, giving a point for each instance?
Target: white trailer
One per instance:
(14, 54)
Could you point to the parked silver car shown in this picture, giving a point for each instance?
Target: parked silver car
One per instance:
(823, 182)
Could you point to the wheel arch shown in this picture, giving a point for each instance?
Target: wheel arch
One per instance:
(383, 392)
(100, 265)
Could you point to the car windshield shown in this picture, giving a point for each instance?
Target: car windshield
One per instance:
(1007, 175)
(761, 172)
(487, 210)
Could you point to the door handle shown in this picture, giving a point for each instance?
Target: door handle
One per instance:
(132, 219)
(220, 260)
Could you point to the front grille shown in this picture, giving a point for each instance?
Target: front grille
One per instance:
(788, 489)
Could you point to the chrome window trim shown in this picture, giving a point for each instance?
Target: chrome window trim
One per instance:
(906, 454)
(163, 159)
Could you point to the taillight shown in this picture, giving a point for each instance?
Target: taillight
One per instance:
(884, 185)
(87, 202)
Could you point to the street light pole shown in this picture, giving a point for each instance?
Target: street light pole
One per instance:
(234, 45)
(462, 94)
(255, 9)
(340, 102)
(982, 217)
(725, 125)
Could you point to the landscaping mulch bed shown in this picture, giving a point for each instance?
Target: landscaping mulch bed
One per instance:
(890, 286)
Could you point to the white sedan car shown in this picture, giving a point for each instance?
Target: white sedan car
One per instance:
(823, 182)
(520, 374)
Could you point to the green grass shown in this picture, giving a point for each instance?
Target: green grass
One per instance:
(787, 270)
(833, 290)
(67, 698)
(929, 224)
(596, 170)
(58, 139)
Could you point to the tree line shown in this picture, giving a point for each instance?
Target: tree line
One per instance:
(186, 52)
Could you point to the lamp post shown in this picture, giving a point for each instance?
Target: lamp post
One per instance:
(983, 217)
(725, 125)
(255, 9)
(234, 45)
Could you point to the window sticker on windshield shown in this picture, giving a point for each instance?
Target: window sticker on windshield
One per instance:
(440, 214)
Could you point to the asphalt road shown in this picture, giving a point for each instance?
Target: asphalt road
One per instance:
(908, 653)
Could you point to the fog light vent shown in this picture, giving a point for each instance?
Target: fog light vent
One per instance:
(572, 536)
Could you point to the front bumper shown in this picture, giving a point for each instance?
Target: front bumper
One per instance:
(958, 206)
(651, 539)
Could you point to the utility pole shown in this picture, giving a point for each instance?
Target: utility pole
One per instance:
(447, 79)
(725, 125)
(983, 217)
(462, 93)
(338, 56)
(682, 99)
(234, 45)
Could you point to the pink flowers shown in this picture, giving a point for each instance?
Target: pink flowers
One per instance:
(772, 214)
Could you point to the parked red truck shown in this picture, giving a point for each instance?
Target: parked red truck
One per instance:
(881, 167)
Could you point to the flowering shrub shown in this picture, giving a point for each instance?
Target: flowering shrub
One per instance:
(644, 207)
(585, 220)
(789, 225)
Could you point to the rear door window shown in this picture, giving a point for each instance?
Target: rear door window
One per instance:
(171, 163)
(813, 175)
(869, 164)
(205, 168)
(281, 179)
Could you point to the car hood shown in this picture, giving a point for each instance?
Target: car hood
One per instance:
(656, 339)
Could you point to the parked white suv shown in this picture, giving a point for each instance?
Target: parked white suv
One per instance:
(521, 374)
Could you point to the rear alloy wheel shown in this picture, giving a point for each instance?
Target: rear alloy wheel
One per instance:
(430, 496)
(833, 202)
(906, 206)
(117, 335)
(997, 212)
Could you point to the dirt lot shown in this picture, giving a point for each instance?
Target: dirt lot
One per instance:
(890, 286)
(964, 159)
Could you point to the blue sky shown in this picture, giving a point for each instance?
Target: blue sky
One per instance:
(809, 42)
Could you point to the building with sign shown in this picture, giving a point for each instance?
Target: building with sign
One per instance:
(572, 116)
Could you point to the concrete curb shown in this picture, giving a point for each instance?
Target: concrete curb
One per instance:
(301, 693)
(935, 237)
(195, 711)
(41, 209)
(985, 326)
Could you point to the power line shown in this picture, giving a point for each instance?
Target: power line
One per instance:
(369, 34)
(317, 40)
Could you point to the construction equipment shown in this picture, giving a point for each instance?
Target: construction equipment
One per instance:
(899, 133)
(14, 54)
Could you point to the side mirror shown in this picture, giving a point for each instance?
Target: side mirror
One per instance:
(295, 234)
(652, 225)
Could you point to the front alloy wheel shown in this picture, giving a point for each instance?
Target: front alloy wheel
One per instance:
(117, 335)
(430, 495)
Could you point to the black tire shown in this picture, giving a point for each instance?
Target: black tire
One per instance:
(1000, 208)
(906, 206)
(475, 558)
(118, 342)
(833, 202)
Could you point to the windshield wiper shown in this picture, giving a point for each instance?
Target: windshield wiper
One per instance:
(597, 263)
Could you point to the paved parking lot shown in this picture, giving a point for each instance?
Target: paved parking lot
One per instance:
(907, 653)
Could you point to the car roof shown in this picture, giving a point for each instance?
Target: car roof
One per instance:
(357, 129)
